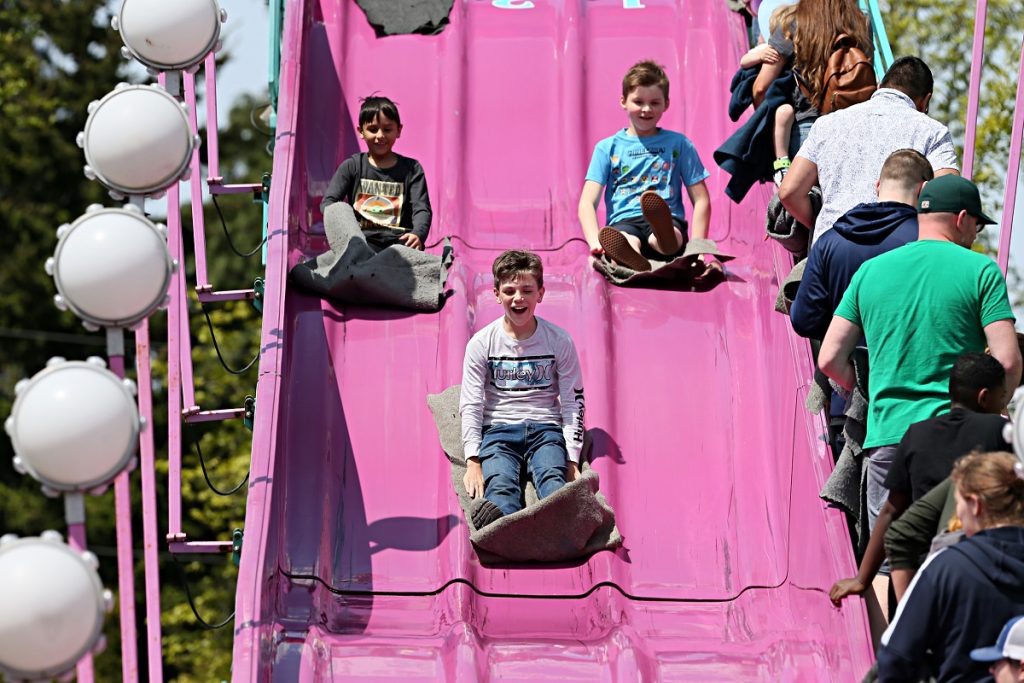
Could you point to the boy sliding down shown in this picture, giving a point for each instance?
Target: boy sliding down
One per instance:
(522, 397)
(642, 170)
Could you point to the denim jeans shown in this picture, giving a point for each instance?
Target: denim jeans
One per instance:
(507, 450)
(800, 132)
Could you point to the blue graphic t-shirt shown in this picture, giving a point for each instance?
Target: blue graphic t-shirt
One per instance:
(627, 166)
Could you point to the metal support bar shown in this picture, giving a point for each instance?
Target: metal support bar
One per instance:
(228, 295)
(123, 526)
(242, 188)
(1012, 170)
(195, 417)
(150, 536)
(201, 547)
(212, 139)
(198, 219)
(74, 513)
(974, 89)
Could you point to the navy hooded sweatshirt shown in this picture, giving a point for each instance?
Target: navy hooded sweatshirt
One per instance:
(958, 601)
(863, 232)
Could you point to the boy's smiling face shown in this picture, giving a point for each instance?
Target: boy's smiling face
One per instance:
(645, 105)
(380, 135)
(519, 297)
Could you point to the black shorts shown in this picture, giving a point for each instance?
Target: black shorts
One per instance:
(638, 227)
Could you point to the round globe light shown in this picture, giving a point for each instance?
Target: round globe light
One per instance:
(54, 605)
(169, 35)
(74, 425)
(111, 266)
(137, 140)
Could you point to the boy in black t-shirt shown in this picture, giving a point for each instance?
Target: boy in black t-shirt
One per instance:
(387, 191)
(928, 449)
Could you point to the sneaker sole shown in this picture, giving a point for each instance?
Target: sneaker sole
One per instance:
(618, 248)
(659, 217)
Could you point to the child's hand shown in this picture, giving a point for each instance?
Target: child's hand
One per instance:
(474, 479)
(709, 266)
(572, 472)
(770, 55)
(596, 250)
(845, 587)
(411, 240)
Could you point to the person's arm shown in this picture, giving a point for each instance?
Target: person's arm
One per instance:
(590, 197)
(875, 554)
(835, 355)
(909, 537)
(942, 155)
(419, 204)
(471, 408)
(811, 311)
(340, 188)
(768, 73)
(801, 177)
(571, 402)
(760, 54)
(1002, 345)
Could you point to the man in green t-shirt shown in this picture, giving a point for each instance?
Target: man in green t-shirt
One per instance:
(918, 308)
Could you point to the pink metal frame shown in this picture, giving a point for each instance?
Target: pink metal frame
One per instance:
(974, 90)
(1013, 170)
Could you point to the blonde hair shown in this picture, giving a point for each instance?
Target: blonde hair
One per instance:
(994, 478)
(818, 24)
(781, 17)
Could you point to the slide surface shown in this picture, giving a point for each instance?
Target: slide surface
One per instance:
(356, 563)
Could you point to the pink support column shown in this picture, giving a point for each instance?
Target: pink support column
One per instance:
(1012, 170)
(198, 222)
(212, 136)
(150, 539)
(125, 552)
(973, 92)
(175, 311)
(76, 539)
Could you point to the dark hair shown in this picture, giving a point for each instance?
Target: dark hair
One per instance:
(373, 106)
(512, 262)
(911, 76)
(643, 74)
(908, 167)
(993, 478)
(971, 373)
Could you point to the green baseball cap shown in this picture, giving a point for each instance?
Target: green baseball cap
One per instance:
(952, 194)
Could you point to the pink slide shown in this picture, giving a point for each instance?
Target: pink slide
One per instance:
(356, 563)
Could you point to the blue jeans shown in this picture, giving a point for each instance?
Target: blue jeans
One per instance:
(507, 450)
(800, 132)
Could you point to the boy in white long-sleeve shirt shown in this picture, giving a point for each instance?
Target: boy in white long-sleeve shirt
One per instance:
(522, 397)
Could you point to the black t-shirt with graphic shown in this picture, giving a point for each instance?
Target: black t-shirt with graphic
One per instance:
(383, 198)
(926, 454)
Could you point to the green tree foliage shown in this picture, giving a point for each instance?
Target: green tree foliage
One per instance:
(941, 33)
(57, 57)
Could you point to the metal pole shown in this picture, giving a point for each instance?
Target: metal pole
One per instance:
(150, 538)
(125, 554)
(74, 513)
(974, 89)
(1012, 170)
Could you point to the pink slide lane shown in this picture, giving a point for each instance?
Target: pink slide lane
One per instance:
(356, 564)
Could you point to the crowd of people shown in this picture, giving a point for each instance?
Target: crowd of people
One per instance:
(889, 268)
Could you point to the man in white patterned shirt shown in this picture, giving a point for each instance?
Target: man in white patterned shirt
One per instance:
(845, 150)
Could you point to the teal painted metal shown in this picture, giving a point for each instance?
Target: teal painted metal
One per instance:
(883, 51)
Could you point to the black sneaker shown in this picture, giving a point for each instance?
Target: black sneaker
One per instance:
(484, 512)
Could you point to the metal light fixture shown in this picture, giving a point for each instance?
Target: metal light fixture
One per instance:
(53, 606)
(111, 267)
(169, 36)
(137, 140)
(74, 426)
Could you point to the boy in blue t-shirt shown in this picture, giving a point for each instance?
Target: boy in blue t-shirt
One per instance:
(642, 170)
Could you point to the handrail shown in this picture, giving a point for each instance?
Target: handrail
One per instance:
(274, 65)
(974, 89)
(883, 50)
(1012, 171)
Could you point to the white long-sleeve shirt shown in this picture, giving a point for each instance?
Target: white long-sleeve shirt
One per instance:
(509, 381)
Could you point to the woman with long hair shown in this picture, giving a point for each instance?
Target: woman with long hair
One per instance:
(804, 39)
(963, 594)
